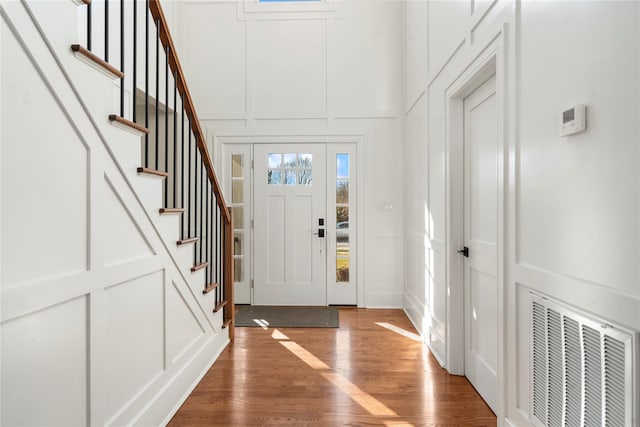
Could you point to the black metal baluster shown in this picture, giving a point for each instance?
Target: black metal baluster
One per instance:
(122, 57)
(202, 181)
(146, 85)
(212, 237)
(195, 200)
(175, 142)
(182, 177)
(89, 26)
(189, 210)
(157, 165)
(206, 229)
(135, 61)
(166, 125)
(106, 30)
(221, 259)
(218, 238)
(223, 228)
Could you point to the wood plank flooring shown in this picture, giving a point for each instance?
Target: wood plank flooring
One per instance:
(370, 371)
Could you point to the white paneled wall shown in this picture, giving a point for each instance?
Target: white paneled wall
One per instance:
(308, 70)
(572, 205)
(101, 322)
(379, 73)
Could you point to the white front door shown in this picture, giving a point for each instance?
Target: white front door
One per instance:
(290, 224)
(480, 237)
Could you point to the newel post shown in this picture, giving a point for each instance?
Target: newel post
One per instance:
(229, 309)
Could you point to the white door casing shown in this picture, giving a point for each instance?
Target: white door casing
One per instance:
(290, 260)
(481, 237)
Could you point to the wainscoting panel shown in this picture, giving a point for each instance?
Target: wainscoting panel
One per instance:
(91, 275)
(44, 366)
(134, 338)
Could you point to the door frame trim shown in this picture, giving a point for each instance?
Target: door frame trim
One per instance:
(488, 62)
(242, 136)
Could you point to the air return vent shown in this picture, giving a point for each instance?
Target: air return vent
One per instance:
(584, 372)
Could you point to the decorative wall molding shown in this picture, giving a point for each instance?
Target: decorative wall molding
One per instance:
(121, 313)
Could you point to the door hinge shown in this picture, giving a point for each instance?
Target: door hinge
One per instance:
(251, 283)
(251, 223)
(252, 164)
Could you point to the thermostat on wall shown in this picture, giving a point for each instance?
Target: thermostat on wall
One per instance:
(574, 120)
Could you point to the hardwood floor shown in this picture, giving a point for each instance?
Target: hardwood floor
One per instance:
(370, 371)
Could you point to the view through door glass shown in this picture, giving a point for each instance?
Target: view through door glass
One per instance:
(239, 185)
(341, 202)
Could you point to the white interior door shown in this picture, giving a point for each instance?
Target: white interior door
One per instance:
(480, 237)
(290, 253)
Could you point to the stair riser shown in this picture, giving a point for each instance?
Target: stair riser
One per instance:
(149, 190)
(209, 300)
(169, 228)
(196, 283)
(184, 258)
(146, 385)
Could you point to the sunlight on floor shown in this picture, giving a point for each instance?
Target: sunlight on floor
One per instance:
(262, 323)
(365, 400)
(304, 355)
(397, 424)
(368, 402)
(403, 332)
(277, 335)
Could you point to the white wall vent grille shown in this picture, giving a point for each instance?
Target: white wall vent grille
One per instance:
(584, 372)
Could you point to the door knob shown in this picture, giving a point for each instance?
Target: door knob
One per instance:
(464, 251)
(320, 232)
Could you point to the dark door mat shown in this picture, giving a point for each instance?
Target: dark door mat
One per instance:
(287, 317)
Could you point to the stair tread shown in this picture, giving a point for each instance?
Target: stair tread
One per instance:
(80, 50)
(219, 306)
(199, 266)
(210, 287)
(148, 171)
(226, 323)
(121, 121)
(171, 210)
(187, 241)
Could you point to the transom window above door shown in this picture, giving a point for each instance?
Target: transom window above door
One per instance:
(289, 169)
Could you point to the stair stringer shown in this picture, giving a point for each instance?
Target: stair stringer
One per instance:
(153, 400)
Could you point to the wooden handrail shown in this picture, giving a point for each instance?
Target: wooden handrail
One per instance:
(187, 101)
(223, 240)
(226, 213)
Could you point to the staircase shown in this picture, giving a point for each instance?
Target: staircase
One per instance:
(191, 189)
(151, 293)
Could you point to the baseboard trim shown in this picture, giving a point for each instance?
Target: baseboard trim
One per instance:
(182, 383)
